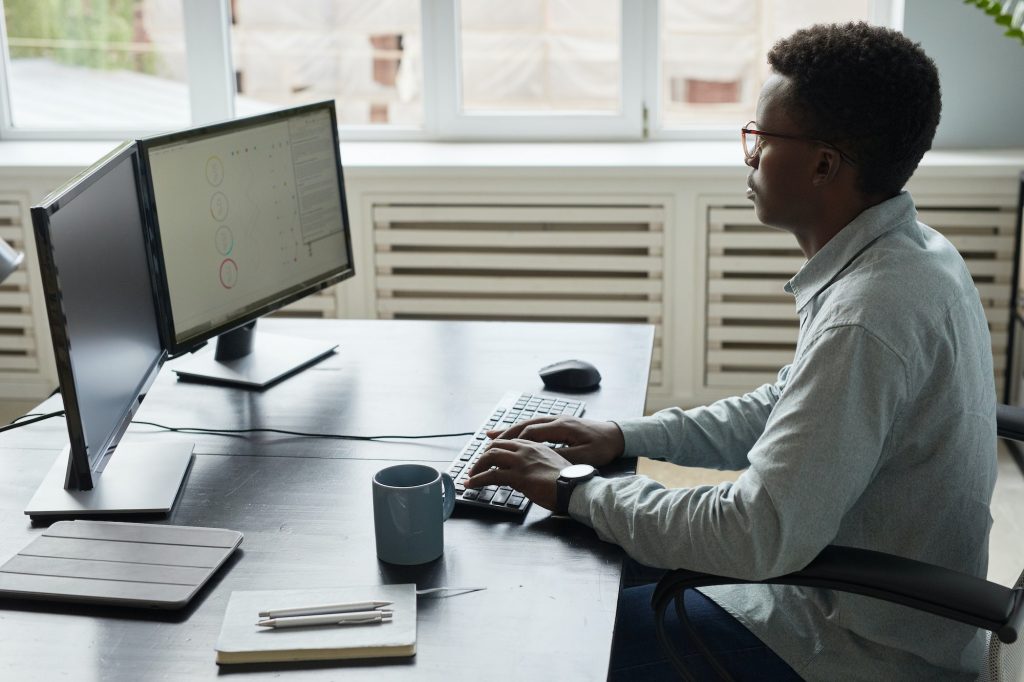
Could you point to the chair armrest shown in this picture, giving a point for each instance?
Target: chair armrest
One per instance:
(925, 587)
(1010, 422)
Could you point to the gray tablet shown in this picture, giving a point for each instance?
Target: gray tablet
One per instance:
(122, 564)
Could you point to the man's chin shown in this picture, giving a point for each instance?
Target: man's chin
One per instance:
(766, 219)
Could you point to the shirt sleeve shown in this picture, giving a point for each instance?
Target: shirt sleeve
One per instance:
(819, 449)
(717, 436)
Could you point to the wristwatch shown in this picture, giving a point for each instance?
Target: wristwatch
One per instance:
(568, 479)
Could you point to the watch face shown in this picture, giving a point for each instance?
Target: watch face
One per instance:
(577, 471)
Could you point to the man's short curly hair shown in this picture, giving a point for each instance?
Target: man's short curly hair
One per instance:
(870, 91)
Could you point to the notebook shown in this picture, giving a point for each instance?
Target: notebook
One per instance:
(242, 641)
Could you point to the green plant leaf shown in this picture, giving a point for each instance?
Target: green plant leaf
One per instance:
(1003, 19)
(994, 9)
(1015, 33)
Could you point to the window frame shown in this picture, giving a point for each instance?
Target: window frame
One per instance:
(207, 26)
(450, 123)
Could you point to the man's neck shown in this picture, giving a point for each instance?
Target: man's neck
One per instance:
(840, 213)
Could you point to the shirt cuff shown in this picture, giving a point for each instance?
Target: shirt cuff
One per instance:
(632, 440)
(580, 500)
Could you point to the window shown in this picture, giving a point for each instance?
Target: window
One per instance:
(540, 56)
(105, 64)
(363, 54)
(426, 69)
(540, 69)
(713, 53)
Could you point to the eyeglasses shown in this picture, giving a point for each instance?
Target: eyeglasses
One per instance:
(752, 142)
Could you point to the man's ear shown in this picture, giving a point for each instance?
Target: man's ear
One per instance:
(826, 166)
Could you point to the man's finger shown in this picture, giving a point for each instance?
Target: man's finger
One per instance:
(551, 431)
(493, 457)
(514, 430)
(487, 477)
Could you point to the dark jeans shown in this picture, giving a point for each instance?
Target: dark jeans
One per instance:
(637, 655)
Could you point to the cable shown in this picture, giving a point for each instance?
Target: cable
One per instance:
(458, 591)
(333, 436)
(17, 423)
(30, 414)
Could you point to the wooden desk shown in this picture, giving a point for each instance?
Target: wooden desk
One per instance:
(304, 506)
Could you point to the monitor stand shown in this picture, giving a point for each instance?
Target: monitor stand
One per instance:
(138, 479)
(250, 360)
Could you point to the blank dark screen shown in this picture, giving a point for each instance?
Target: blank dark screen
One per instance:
(111, 325)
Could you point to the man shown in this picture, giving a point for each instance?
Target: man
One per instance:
(880, 434)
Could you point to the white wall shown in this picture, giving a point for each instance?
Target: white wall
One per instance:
(980, 71)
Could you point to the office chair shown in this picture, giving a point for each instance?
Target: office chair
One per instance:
(926, 587)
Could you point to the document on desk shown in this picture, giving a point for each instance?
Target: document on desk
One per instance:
(242, 640)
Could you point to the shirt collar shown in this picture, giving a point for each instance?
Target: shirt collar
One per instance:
(871, 224)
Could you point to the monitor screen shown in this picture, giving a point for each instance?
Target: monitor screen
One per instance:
(249, 215)
(102, 313)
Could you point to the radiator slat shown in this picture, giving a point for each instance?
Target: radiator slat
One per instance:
(595, 286)
(517, 239)
(511, 213)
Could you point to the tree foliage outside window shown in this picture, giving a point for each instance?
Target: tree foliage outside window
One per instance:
(103, 34)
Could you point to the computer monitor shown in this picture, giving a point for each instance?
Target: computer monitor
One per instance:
(103, 321)
(246, 216)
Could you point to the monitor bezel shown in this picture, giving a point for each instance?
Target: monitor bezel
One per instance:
(161, 286)
(80, 466)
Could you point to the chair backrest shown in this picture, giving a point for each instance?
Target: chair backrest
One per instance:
(1003, 662)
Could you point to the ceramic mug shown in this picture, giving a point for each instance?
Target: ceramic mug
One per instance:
(411, 502)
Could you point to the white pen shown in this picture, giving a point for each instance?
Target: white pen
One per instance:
(325, 608)
(354, 618)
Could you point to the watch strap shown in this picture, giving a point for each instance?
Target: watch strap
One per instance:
(565, 485)
(563, 493)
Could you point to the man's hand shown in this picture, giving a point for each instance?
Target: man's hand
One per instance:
(588, 441)
(530, 468)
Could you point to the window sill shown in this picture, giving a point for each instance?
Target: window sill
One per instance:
(370, 159)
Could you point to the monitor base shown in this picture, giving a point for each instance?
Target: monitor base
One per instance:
(138, 479)
(273, 358)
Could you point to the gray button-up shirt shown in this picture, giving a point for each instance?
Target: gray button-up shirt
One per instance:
(880, 434)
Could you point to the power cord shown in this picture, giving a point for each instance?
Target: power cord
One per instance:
(17, 423)
(333, 436)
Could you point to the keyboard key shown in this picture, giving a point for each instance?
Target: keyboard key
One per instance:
(470, 494)
(502, 495)
(486, 493)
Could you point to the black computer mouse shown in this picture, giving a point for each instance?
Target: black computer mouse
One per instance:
(570, 375)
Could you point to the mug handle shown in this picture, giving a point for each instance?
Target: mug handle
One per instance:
(449, 495)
